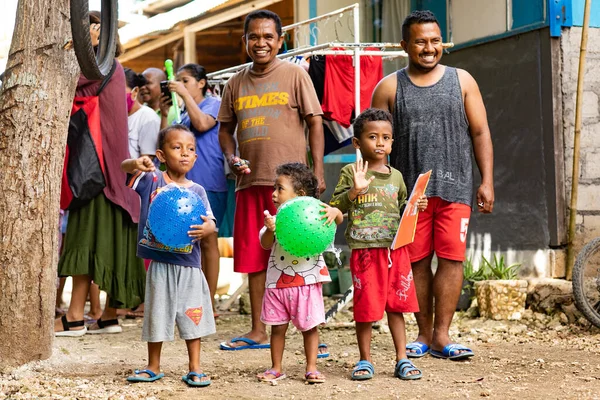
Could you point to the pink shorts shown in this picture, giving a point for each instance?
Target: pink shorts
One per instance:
(379, 287)
(303, 305)
(442, 228)
(248, 255)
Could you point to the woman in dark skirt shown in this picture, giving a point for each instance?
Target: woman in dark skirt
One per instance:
(100, 243)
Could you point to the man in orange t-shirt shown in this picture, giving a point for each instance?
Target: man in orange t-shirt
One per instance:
(268, 103)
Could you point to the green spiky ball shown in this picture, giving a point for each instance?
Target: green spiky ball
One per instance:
(300, 229)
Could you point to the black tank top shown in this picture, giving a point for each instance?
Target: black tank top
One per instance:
(431, 132)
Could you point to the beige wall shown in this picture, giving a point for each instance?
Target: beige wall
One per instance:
(327, 31)
(473, 19)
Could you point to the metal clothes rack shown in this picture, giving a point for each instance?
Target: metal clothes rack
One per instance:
(331, 48)
(356, 49)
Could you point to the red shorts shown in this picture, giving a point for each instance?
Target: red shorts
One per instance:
(248, 255)
(379, 287)
(442, 228)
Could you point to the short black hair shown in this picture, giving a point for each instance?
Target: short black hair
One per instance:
(263, 14)
(198, 72)
(162, 135)
(369, 115)
(133, 80)
(417, 17)
(302, 178)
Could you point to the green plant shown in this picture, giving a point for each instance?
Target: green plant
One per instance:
(470, 273)
(470, 276)
(499, 269)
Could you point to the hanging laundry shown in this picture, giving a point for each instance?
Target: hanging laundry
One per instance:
(298, 60)
(339, 132)
(316, 71)
(332, 142)
(338, 93)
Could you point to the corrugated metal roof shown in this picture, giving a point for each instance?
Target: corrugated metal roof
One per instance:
(166, 21)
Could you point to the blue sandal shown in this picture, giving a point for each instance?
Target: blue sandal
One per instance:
(324, 354)
(151, 378)
(363, 365)
(416, 350)
(404, 367)
(249, 344)
(453, 351)
(189, 379)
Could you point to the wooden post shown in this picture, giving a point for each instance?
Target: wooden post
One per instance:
(576, 139)
(189, 47)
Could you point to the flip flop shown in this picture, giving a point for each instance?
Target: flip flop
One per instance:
(417, 350)
(453, 352)
(404, 367)
(323, 355)
(189, 379)
(136, 378)
(314, 377)
(363, 365)
(276, 376)
(250, 344)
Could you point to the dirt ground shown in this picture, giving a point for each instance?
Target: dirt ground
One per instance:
(513, 360)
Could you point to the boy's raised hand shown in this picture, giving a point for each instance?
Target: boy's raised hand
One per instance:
(200, 231)
(144, 164)
(360, 175)
(269, 221)
(331, 214)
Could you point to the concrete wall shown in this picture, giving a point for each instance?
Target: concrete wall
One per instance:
(515, 78)
(472, 19)
(588, 204)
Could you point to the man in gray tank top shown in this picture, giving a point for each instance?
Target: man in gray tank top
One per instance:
(439, 116)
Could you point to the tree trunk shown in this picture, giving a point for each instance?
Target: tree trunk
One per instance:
(35, 103)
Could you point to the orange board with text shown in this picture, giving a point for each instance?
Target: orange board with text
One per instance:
(408, 223)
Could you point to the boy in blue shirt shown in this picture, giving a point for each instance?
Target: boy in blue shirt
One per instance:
(176, 289)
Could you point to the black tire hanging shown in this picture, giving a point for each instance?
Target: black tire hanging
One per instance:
(583, 303)
(94, 65)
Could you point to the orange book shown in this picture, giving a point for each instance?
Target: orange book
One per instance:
(408, 223)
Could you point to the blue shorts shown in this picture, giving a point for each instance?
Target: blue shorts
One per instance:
(218, 205)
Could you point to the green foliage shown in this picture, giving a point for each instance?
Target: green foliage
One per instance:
(470, 273)
(498, 269)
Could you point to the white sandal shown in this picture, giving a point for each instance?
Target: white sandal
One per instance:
(110, 326)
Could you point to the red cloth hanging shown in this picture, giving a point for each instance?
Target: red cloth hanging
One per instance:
(338, 96)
